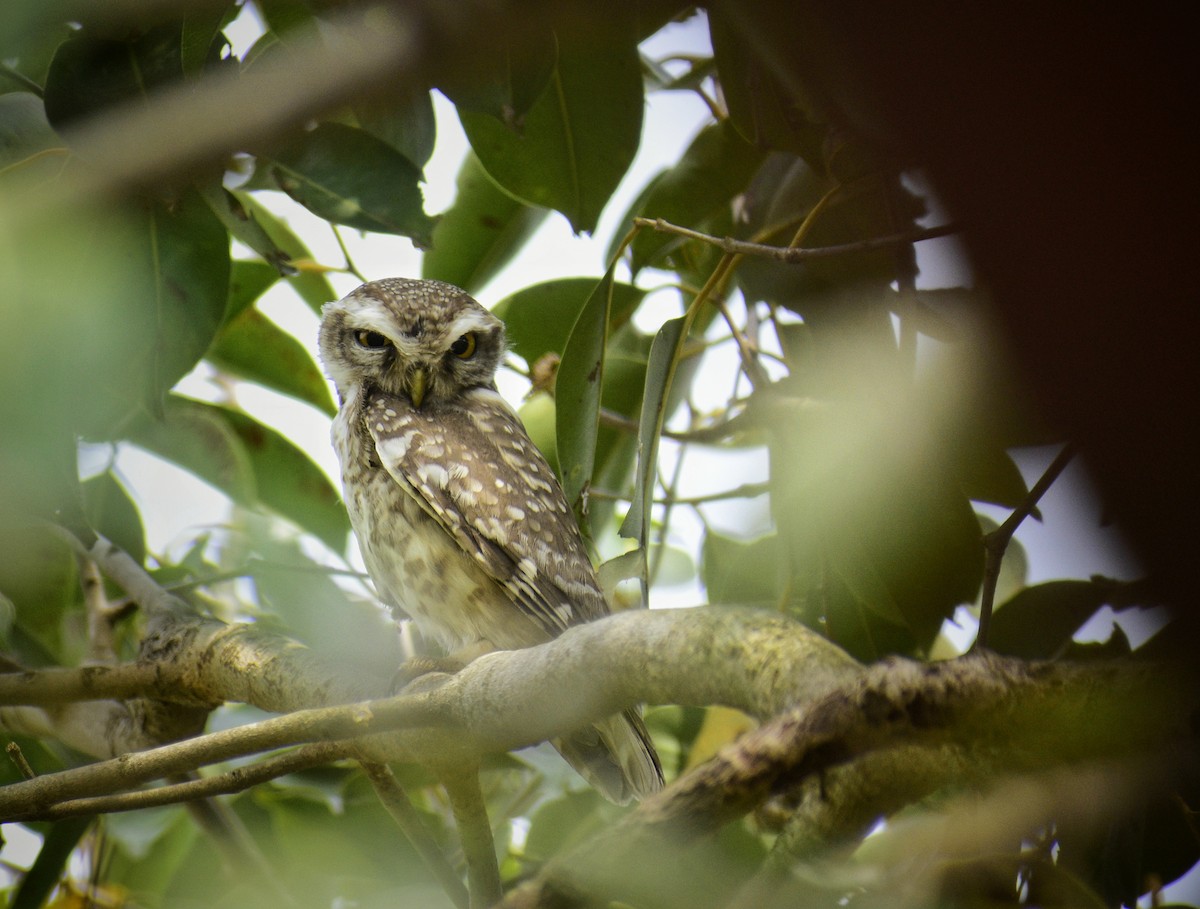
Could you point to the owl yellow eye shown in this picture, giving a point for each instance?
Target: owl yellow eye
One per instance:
(372, 340)
(464, 347)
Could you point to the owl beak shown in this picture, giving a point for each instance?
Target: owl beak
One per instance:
(418, 381)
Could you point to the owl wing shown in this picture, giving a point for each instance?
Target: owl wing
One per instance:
(474, 471)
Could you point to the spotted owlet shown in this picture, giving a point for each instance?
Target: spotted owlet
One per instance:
(461, 522)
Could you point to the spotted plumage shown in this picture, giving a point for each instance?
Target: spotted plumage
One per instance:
(461, 522)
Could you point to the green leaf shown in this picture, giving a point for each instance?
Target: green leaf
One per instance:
(179, 273)
(112, 512)
(742, 572)
(25, 137)
(559, 824)
(348, 176)
(253, 347)
(577, 394)
(202, 42)
(504, 80)
(310, 283)
(664, 355)
(39, 577)
(251, 463)
(405, 121)
(319, 612)
(248, 281)
(702, 185)
(244, 226)
(862, 497)
(578, 138)
(480, 233)
(539, 318)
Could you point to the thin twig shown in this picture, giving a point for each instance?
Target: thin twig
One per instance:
(17, 756)
(792, 254)
(713, 434)
(397, 804)
(236, 780)
(996, 543)
(302, 726)
(747, 349)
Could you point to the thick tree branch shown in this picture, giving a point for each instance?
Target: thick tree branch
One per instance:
(1002, 713)
(745, 658)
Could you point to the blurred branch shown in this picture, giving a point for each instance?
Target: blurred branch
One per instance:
(475, 834)
(236, 780)
(20, 78)
(995, 544)
(392, 796)
(451, 720)
(794, 254)
(987, 708)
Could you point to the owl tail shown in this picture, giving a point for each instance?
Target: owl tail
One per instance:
(615, 756)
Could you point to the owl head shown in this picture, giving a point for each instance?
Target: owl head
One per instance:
(423, 340)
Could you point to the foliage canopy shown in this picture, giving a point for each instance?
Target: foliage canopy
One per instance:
(141, 166)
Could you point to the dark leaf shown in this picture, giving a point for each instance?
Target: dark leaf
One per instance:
(578, 138)
(763, 110)
(404, 121)
(780, 198)
(112, 512)
(702, 185)
(1040, 620)
(348, 176)
(247, 282)
(89, 74)
(869, 515)
(202, 42)
(244, 226)
(539, 318)
(480, 233)
(577, 394)
(505, 81)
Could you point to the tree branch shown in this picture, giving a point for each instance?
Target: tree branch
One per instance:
(988, 708)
